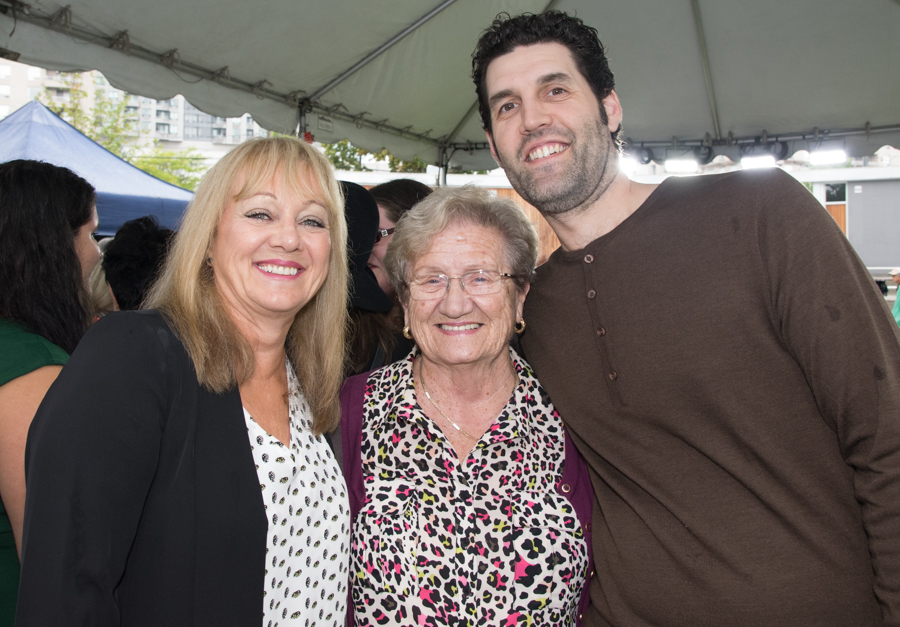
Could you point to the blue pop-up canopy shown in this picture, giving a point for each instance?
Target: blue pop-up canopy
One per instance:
(124, 192)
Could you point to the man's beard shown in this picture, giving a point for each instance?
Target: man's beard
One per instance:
(574, 187)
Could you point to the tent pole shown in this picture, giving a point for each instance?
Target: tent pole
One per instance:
(444, 162)
(707, 74)
(302, 127)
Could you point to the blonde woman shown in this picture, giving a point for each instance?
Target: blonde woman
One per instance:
(178, 472)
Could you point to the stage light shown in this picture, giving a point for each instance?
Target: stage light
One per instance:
(704, 154)
(644, 156)
(682, 166)
(827, 157)
(627, 164)
(757, 161)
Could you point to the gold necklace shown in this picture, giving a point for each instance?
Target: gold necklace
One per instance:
(440, 411)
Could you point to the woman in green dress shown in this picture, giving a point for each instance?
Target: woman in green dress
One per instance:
(47, 219)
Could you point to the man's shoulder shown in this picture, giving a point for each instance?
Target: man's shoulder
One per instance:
(739, 184)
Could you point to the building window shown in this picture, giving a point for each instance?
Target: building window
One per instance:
(34, 73)
(5, 91)
(5, 70)
(4, 111)
(249, 132)
(162, 129)
(218, 132)
(162, 114)
(835, 192)
(34, 92)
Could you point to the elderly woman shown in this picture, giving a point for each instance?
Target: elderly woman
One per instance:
(177, 471)
(470, 505)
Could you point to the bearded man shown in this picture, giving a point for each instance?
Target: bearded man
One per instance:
(742, 425)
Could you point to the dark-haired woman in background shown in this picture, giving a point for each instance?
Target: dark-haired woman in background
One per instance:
(394, 198)
(47, 217)
(375, 339)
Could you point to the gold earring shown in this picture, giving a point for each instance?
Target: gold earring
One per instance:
(520, 327)
(406, 333)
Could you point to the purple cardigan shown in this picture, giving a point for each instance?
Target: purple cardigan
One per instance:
(574, 486)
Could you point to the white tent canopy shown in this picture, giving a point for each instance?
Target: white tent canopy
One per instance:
(394, 74)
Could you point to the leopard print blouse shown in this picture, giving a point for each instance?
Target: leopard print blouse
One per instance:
(483, 541)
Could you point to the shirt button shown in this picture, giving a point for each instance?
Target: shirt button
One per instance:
(588, 258)
(591, 293)
(565, 488)
(613, 375)
(601, 332)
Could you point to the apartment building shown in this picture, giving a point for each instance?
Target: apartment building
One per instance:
(174, 123)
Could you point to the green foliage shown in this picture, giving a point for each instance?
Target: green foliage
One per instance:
(106, 122)
(345, 156)
(397, 165)
(184, 168)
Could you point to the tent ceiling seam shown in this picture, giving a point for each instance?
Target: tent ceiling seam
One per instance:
(120, 43)
(707, 74)
(221, 76)
(340, 78)
(815, 135)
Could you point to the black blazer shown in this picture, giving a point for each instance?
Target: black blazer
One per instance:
(143, 504)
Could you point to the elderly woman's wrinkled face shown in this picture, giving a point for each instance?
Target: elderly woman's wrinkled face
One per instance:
(455, 327)
(271, 252)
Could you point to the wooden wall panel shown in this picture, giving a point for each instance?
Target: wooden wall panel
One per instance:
(548, 240)
(839, 213)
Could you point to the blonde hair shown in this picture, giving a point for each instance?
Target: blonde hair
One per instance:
(187, 295)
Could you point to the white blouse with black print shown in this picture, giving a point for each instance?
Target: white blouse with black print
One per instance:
(308, 543)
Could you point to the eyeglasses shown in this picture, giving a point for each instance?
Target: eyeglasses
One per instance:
(475, 283)
(382, 233)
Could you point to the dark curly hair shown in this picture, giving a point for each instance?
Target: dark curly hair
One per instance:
(42, 207)
(133, 259)
(508, 33)
(398, 196)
